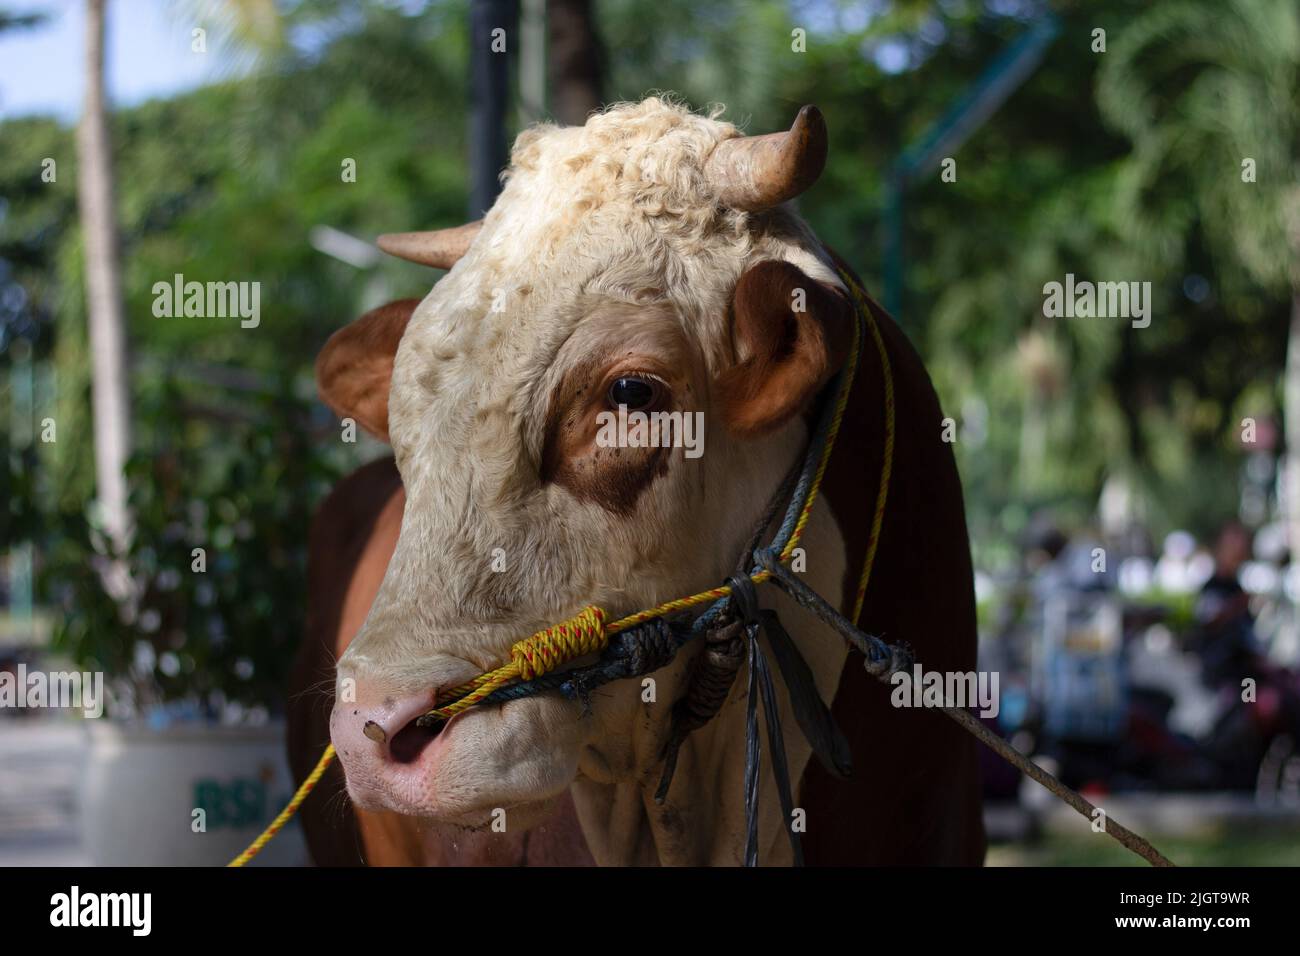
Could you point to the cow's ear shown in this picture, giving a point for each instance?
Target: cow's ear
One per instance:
(355, 368)
(792, 334)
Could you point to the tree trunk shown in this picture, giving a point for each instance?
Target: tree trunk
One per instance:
(575, 60)
(489, 79)
(532, 62)
(104, 310)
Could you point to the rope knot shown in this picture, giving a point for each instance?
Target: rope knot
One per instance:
(584, 633)
(644, 648)
(887, 660)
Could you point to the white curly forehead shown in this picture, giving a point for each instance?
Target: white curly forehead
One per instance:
(617, 209)
(635, 168)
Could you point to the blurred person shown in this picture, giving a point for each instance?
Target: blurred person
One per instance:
(1059, 563)
(1224, 636)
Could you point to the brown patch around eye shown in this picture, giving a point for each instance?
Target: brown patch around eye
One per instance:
(612, 477)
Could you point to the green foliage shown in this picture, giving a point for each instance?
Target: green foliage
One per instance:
(1123, 165)
(224, 183)
(1050, 185)
(217, 559)
(1199, 88)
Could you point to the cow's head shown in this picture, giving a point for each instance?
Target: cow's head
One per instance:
(642, 260)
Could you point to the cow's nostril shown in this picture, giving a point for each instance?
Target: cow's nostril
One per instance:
(409, 742)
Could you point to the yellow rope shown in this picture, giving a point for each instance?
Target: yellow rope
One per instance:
(313, 778)
(586, 633)
(887, 466)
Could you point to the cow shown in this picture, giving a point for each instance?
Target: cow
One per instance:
(647, 260)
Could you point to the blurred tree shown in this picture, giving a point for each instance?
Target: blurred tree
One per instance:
(112, 404)
(1209, 94)
(9, 20)
(227, 182)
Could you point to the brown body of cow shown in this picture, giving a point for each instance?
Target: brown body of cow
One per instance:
(914, 795)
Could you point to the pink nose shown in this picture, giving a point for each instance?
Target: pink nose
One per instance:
(371, 732)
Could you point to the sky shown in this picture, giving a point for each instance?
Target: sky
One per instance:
(149, 55)
(149, 52)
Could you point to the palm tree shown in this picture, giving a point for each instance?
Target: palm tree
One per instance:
(1209, 93)
(109, 385)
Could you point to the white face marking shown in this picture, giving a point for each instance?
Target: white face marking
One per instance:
(602, 256)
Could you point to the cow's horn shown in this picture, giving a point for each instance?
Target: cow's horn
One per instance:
(440, 248)
(758, 172)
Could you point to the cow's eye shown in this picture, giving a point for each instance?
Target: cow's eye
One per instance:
(633, 392)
